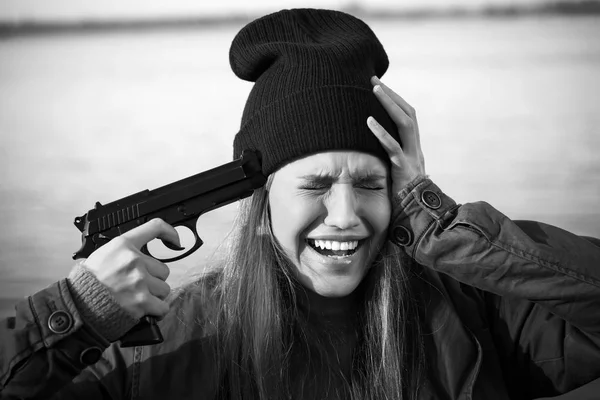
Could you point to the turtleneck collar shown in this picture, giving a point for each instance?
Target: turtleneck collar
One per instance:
(335, 310)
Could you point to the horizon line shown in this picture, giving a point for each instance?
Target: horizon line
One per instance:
(27, 27)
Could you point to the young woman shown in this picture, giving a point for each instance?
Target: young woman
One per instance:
(349, 275)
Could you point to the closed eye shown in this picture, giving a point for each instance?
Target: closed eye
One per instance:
(370, 187)
(327, 187)
(320, 183)
(315, 187)
(317, 183)
(370, 183)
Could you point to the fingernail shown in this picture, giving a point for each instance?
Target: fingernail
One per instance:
(376, 79)
(377, 89)
(174, 246)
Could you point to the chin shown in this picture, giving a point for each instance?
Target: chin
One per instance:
(337, 292)
(335, 287)
(330, 278)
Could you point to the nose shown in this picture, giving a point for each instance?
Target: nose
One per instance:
(342, 206)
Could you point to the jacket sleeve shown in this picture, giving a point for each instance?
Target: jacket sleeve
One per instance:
(541, 284)
(55, 346)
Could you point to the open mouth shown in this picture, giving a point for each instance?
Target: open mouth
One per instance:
(335, 249)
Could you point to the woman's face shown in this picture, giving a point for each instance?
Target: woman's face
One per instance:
(330, 213)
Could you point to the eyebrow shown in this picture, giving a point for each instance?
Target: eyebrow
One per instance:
(356, 178)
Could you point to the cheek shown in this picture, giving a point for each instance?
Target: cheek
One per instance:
(378, 211)
(290, 216)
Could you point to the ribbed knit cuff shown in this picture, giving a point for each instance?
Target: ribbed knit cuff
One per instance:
(97, 306)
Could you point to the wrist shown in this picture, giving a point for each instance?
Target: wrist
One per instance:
(97, 306)
(404, 187)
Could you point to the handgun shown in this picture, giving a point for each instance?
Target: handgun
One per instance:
(179, 204)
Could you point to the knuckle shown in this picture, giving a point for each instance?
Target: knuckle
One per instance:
(162, 291)
(142, 298)
(130, 258)
(120, 241)
(412, 112)
(397, 160)
(165, 271)
(396, 148)
(122, 259)
(406, 123)
(158, 223)
(137, 277)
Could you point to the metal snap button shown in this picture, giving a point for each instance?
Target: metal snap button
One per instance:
(402, 236)
(60, 321)
(431, 199)
(90, 356)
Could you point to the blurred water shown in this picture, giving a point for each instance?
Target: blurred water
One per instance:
(508, 110)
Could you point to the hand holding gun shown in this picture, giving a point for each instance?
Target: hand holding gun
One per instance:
(178, 204)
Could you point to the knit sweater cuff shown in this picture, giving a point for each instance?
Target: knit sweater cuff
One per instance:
(97, 306)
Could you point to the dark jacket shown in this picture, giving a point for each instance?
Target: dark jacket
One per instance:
(512, 310)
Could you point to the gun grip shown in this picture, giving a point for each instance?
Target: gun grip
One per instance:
(145, 333)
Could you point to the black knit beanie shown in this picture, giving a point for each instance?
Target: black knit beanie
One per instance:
(312, 90)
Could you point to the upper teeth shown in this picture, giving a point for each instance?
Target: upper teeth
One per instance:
(335, 245)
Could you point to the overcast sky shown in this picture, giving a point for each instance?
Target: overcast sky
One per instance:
(101, 9)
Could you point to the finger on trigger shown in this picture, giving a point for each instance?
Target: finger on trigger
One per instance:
(153, 229)
(169, 234)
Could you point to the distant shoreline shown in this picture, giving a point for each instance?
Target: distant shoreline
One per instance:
(60, 27)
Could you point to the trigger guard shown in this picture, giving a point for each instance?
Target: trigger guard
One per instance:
(191, 225)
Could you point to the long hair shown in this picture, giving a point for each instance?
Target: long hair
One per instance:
(259, 327)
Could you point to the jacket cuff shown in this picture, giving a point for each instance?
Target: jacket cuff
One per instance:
(419, 205)
(97, 306)
(56, 316)
(48, 319)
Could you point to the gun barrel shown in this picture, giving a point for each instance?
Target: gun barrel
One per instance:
(149, 202)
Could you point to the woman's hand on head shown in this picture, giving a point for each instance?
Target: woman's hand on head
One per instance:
(407, 161)
(136, 280)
